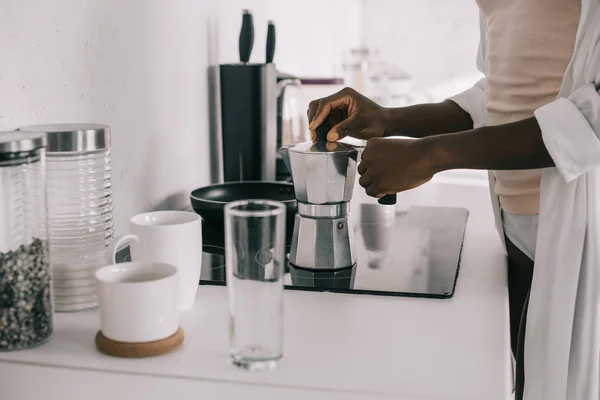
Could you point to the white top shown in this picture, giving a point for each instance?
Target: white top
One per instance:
(562, 343)
(529, 46)
(336, 346)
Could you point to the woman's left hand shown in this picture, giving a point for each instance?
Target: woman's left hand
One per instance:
(392, 165)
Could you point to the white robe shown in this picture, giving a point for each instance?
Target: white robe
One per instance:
(562, 342)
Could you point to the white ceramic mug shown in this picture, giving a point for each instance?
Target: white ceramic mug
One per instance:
(138, 301)
(172, 237)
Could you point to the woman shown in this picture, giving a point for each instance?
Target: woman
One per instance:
(511, 123)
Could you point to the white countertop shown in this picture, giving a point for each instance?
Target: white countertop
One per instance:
(337, 346)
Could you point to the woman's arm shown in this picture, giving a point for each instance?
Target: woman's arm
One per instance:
(428, 119)
(394, 165)
(349, 113)
(517, 145)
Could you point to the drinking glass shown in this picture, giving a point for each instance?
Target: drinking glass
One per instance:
(255, 256)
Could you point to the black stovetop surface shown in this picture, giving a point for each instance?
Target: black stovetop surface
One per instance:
(415, 252)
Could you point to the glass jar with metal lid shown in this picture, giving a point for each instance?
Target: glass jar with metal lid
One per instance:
(25, 282)
(80, 214)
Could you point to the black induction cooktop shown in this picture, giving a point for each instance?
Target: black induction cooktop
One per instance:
(414, 252)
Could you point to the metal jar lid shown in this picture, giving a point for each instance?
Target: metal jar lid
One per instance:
(15, 146)
(74, 138)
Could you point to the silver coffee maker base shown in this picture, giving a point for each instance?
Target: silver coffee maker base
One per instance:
(323, 238)
(342, 278)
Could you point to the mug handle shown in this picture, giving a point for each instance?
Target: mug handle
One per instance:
(114, 248)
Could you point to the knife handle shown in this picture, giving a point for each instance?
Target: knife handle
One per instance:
(246, 37)
(270, 42)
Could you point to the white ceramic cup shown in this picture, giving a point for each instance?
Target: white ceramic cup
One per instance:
(138, 301)
(172, 237)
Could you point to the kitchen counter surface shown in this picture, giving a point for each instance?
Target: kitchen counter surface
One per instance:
(337, 346)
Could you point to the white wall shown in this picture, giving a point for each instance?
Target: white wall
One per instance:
(435, 41)
(140, 66)
(311, 34)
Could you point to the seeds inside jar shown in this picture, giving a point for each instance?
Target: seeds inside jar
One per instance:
(25, 297)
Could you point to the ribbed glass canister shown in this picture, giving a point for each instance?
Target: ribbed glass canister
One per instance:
(25, 281)
(80, 217)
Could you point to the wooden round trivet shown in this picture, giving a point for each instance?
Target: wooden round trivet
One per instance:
(136, 350)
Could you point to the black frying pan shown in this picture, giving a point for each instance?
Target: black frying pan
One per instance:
(209, 202)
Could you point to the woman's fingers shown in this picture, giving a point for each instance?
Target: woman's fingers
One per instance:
(362, 168)
(365, 180)
(325, 106)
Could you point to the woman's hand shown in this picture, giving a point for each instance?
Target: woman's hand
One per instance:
(392, 165)
(349, 114)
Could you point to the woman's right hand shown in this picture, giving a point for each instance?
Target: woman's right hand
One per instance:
(349, 113)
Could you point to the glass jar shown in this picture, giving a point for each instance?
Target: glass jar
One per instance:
(25, 282)
(80, 214)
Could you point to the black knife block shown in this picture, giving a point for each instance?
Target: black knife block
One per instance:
(248, 108)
